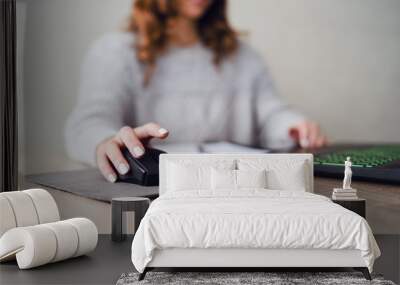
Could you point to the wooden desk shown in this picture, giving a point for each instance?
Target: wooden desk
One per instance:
(85, 193)
(383, 202)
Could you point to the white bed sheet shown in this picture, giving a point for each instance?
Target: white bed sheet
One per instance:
(250, 219)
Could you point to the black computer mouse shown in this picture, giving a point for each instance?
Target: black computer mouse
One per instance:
(142, 170)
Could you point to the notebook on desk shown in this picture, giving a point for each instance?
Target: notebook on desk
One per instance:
(222, 147)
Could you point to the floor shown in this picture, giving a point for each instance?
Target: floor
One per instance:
(110, 260)
(102, 266)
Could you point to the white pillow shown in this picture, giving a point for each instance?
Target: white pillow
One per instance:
(223, 179)
(251, 178)
(226, 179)
(282, 174)
(188, 175)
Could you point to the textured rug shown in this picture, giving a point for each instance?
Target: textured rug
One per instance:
(231, 278)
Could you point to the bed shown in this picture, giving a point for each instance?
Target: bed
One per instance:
(252, 210)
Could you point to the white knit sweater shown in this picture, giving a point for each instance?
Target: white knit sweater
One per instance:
(187, 95)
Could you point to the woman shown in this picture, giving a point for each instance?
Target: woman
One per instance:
(182, 66)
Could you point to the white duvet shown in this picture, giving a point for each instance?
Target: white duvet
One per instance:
(250, 219)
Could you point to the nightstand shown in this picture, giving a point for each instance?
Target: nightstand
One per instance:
(139, 205)
(357, 205)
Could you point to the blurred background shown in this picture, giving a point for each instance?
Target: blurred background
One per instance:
(335, 60)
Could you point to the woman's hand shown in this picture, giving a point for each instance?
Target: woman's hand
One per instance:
(108, 152)
(308, 135)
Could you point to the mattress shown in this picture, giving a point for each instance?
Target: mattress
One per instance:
(251, 219)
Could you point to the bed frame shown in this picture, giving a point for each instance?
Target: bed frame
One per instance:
(242, 259)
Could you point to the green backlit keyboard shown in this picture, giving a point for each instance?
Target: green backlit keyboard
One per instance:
(380, 163)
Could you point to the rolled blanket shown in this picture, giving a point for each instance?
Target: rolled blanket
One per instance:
(40, 244)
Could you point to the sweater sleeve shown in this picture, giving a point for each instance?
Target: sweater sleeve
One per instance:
(273, 116)
(103, 98)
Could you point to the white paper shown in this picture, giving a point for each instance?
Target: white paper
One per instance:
(227, 147)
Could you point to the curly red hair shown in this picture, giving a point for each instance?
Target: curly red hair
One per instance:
(150, 21)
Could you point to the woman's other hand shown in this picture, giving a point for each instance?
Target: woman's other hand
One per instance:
(308, 134)
(108, 153)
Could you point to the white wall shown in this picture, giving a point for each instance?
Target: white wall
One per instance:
(337, 60)
(58, 34)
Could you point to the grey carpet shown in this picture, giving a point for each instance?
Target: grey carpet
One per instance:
(269, 278)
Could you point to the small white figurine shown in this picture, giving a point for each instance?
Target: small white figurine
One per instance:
(347, 174)
(346, 193)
